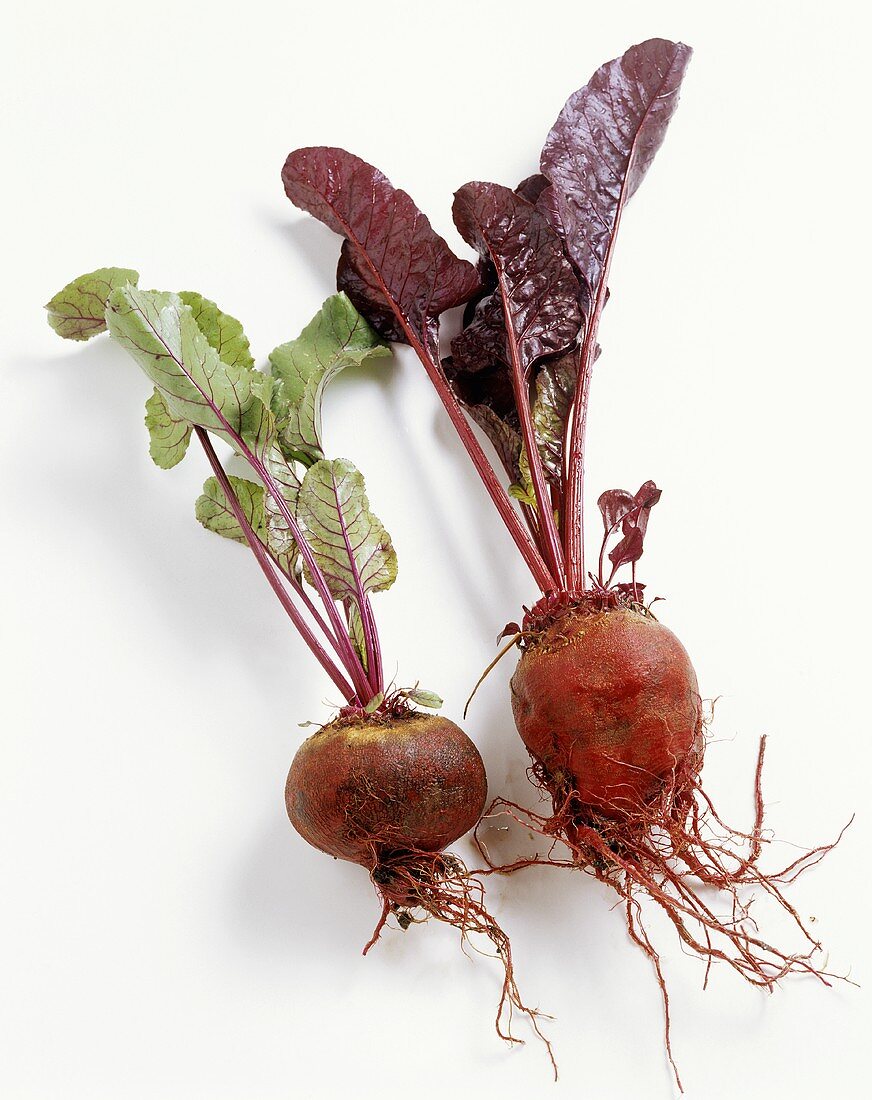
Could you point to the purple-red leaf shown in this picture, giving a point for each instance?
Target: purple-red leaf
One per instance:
(629, 549)
(395, 268)
(645, 500)
(602, 144)
(538, 288)
(614, 504)
(532, 187)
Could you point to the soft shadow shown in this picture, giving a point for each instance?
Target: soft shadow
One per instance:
(284, 892)
(318, 245)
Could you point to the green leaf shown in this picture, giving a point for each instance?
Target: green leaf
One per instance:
(198, 388)
(160, 332)
(424, 698)
(351, 546)
(374, 703)
(168, 437)
(523, 493)
(336, 337)
(78, 312)
(279, 539)
(214, 512)
(356, 632)
(223, 332)
(555, 391)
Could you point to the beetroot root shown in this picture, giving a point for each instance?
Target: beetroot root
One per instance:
(391, 794)
(607, 703)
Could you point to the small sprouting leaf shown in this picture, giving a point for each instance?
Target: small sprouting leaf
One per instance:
(352, 548)
(602, 144)
(630, 512)
(423, 698)
(645, 499)
(337, 337)
(614, 504)
(223, 332)
(78, 312)
(374, 703)
(168, 436)
(395, 268)
(214, 512)
(629, 549)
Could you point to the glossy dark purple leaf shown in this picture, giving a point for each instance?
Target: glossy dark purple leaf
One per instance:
(538, 289)
(395, 268)
(603, 142)
(488, 398)
(532, 187)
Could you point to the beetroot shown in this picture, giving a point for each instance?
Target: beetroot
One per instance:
(628, 712)
(369, 791)
(390, 794)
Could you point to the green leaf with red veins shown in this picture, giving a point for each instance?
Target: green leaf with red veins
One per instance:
(337, 337)
(538, 290)
(78, 312)
(424, 698)
(214, 512)
(602, 144)
(161, 334)
(223, 332)
(395, 268)
(351, 547)
(197, 387)
(168, 436)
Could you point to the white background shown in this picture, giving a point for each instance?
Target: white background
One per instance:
(164, 934)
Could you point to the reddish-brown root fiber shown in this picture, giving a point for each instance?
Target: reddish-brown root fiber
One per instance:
(439, 885)
(664, 850)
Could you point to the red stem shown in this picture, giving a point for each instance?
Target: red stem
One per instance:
(345, 649)
(266, 564)
(547, 527)
(497, 493)
(574, 528)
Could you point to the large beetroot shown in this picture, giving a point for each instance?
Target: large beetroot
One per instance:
(627, 714)
(604, 696)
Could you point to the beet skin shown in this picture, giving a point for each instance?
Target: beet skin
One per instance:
(362, 790)
(608, 704)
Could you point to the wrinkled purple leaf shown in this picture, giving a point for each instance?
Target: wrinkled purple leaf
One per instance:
(395, 268)
(602, 144)
(538, 289)
(532, 187)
